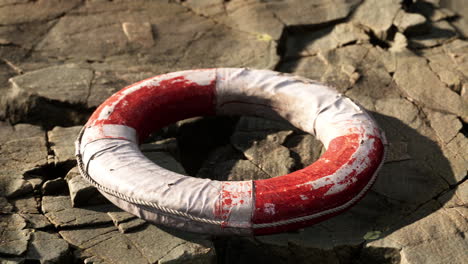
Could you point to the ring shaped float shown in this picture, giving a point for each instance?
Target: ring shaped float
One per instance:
(109, 157)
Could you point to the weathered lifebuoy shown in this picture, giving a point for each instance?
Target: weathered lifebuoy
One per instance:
(109, 157)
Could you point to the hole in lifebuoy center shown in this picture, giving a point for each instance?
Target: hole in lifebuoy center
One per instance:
(232, 148)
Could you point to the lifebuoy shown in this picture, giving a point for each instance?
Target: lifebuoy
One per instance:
(109, 157)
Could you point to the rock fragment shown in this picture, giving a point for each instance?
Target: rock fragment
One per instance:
(189, 252)
(23, 149)
(377, 15)
(105, 243)
(306, 148)
(126, 222)
(13, 13)
(81, 191)
(446, 126)
(47, 248)
(59, 211)
(11, 222)
(140, 33)
(12, 184)
(312, 12)
(54, 186)
(14, 242)
(404, 20)
(36, 221)
(323, 40)
(26, 205)
(268, 155)
(5, 206)
(185, 249)
(457, 197)
(448, 229)
(427, 90)
(65, 83)
(61, 140)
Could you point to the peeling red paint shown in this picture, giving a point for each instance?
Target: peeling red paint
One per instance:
(233, 194)
(285, 191)
(152, 107)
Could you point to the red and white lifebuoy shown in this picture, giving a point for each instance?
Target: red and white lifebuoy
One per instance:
(109, 157)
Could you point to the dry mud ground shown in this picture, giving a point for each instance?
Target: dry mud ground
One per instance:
(405, 61)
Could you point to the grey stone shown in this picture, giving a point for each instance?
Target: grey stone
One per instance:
(439, 33)
(446, 126)
(11, 260)
(377, 15)
(253, 17)
(311, 12)
(144, 241)
(11, 184)
(267, 154)
(54, 186)
(36, 182)
(149, 244)
(190, 252)
(26, 205)
(427, 90)
(65, 83)
(140, 33)
(81, 191)
(248, 123)
(397, 151)
(59, 211)
(447, 231)
(5, 206)
(457, 197)
(399, 43)
(400, 108)
(306, 148)
(36, 221)
(450, 64)
(61, 140)
(105, 243)
(47, 248)
(219, 164)
(13, 12)
(404, 20)
(67, 39)
(208, 8)
(233, 170)
(14, 242)
(248, 16)
(11, 222)
(326, 39)
(126, 222)
(23, 148)
(456, 151)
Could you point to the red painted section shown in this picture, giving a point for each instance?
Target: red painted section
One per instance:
(153, 107)
(282, 198)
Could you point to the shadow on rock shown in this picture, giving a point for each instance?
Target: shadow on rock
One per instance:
(412, 184)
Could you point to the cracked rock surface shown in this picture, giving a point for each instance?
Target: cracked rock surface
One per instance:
(404, 61)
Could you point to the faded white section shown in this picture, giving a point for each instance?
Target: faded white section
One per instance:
(239, 207)
(308, 105)
(108, 131)
(120, 166)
